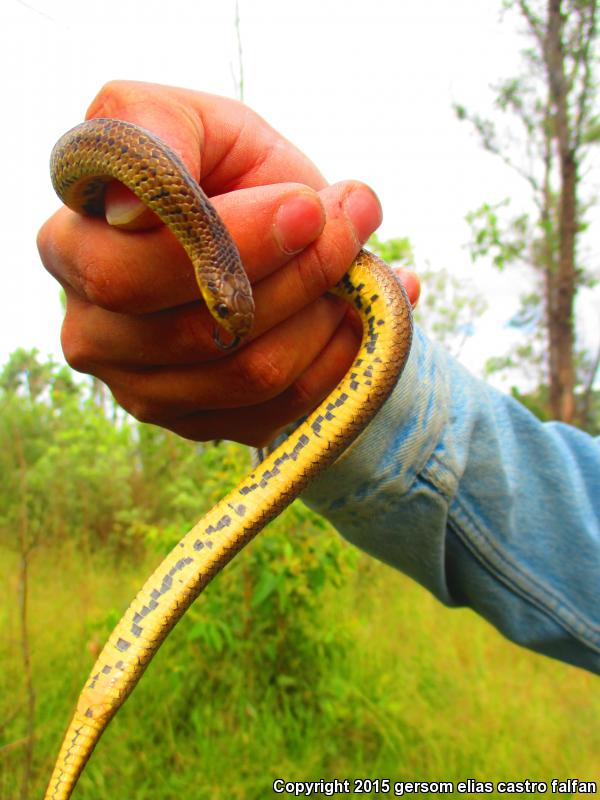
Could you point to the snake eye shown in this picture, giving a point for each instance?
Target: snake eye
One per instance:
(222, 310)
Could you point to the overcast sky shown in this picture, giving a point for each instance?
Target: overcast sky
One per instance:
(364, 88)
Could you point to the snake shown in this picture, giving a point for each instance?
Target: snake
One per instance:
(83, 162)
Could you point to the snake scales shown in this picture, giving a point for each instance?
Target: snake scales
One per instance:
(83, 161)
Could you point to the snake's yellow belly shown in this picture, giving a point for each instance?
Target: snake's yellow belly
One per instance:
(83, 161)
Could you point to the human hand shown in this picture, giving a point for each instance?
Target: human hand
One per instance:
(134, 318)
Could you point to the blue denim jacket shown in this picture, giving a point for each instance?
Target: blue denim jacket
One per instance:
(460, 487)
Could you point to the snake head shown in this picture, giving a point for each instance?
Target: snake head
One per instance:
(230, 303)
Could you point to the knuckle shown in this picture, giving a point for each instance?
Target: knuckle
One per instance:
(52, 248)
(138, 405)
(191, 330)
(43, 241)
(314, 273)
(195, 430)
(77, 349)
(144, 411)
(300, 397)
(90, 264)
(110, 98)
(98, 286)
(104, 283)
(264, 154)
(264, 373)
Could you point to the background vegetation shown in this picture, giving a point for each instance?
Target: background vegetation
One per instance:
(303, 660)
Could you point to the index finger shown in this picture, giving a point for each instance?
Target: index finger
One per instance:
(225, 145)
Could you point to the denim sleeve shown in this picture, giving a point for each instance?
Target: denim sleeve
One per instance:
(460, 487)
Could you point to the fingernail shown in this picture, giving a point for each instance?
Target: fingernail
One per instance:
(124, 210)
(363, 209)
(298, 221)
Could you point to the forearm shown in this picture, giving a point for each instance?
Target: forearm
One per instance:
(462, 488)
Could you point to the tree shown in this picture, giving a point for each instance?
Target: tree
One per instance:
(448, 308)
(553, 100)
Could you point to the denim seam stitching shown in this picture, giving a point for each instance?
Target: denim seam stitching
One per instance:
(491, 555)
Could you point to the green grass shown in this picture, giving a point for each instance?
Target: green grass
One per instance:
(414, 692)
